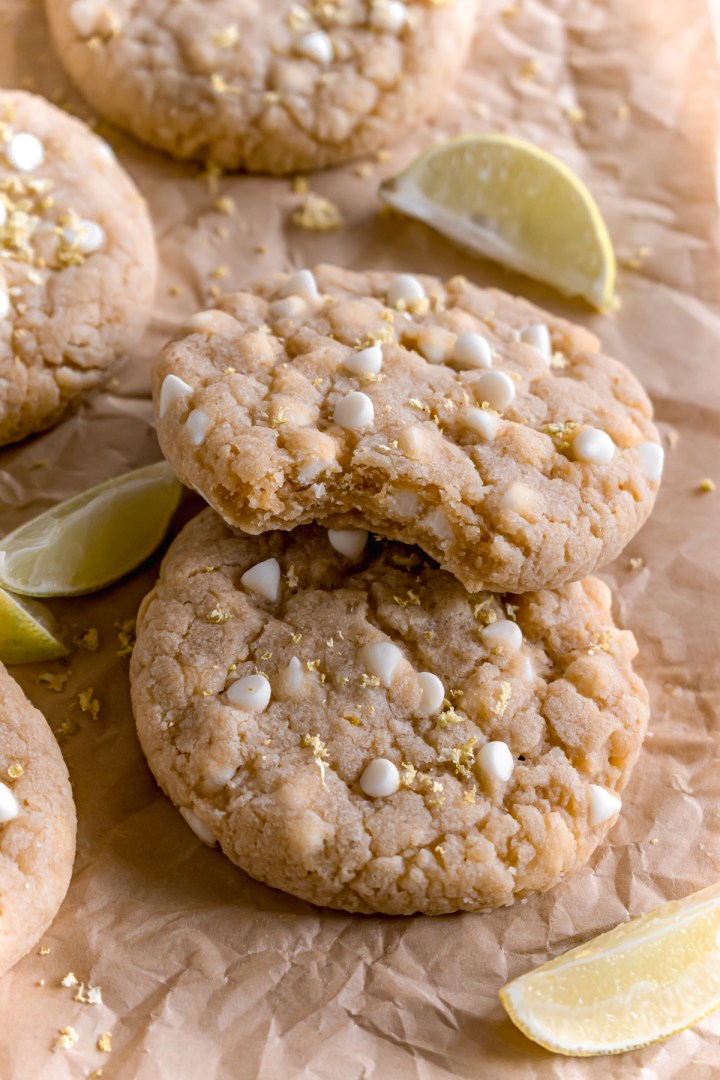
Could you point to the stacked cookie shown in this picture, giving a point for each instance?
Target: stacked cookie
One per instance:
(375, 672)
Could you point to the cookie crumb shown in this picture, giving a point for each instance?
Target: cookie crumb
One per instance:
(636, 563)
(15, 770)
(673, 438)
(706, 486)
(69, 980)
(317, 214)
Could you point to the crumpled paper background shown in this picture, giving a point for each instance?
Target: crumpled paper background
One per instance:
(205, 974)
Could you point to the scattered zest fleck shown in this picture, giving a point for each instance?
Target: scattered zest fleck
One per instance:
(502, 702)
(602, 643)
(89, 640)
(104, 1043)
(54, 681)
(15, 770)
(320, 753)
(126, 636)
(67, 1037)
(219, 615)
(317, 214)
(89, 703)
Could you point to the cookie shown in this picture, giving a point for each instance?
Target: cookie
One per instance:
(355, 728)
(276, 89)
(495, 436)
(77, 263)
(37, 824)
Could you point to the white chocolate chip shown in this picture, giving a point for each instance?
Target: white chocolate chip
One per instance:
(355, 410)
(86, 236)
(211, 322)
(9, 807)
(592, 446)
(604, 804)
(502, 635)
(197, 426)
(25, 152)
(303, 284)
(198, 827)
(471, 350)
(496, 388)
(3, 213)
(4, 304)
(172, 389)
(294, 676)
(412, 441)
(538, 336)
(496, 761)
(404, 288)
(380, 778)
(652, 459)
(381, 658)
(251, 693)
(522, 499)
(264, 579)
(432, 693)
(388, 15)
(84, 17)
(365, 362)
(349, 542)
(481, 422)
(317, 46)
(527, 672)
(287, 308)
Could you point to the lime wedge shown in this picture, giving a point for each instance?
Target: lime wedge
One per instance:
(93, 539)
(510, 201)
(27, 631)
(643, 981)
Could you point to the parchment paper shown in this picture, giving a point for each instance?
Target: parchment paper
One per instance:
(205, 974)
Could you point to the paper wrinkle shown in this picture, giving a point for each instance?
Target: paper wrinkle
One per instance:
(207, 975)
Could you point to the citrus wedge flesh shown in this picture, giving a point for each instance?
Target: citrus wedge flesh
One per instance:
(510, 201)
(93, 539)
(27, 631)
(637, 984)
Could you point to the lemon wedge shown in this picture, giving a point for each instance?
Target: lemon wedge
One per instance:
(513, 202)
(93, 539)
(27, 631)
(641, 982)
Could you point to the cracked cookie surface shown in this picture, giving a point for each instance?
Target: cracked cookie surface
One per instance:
(77, 263)
(273, 87)
(37, 824)
(465, 420)
(353, 727)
